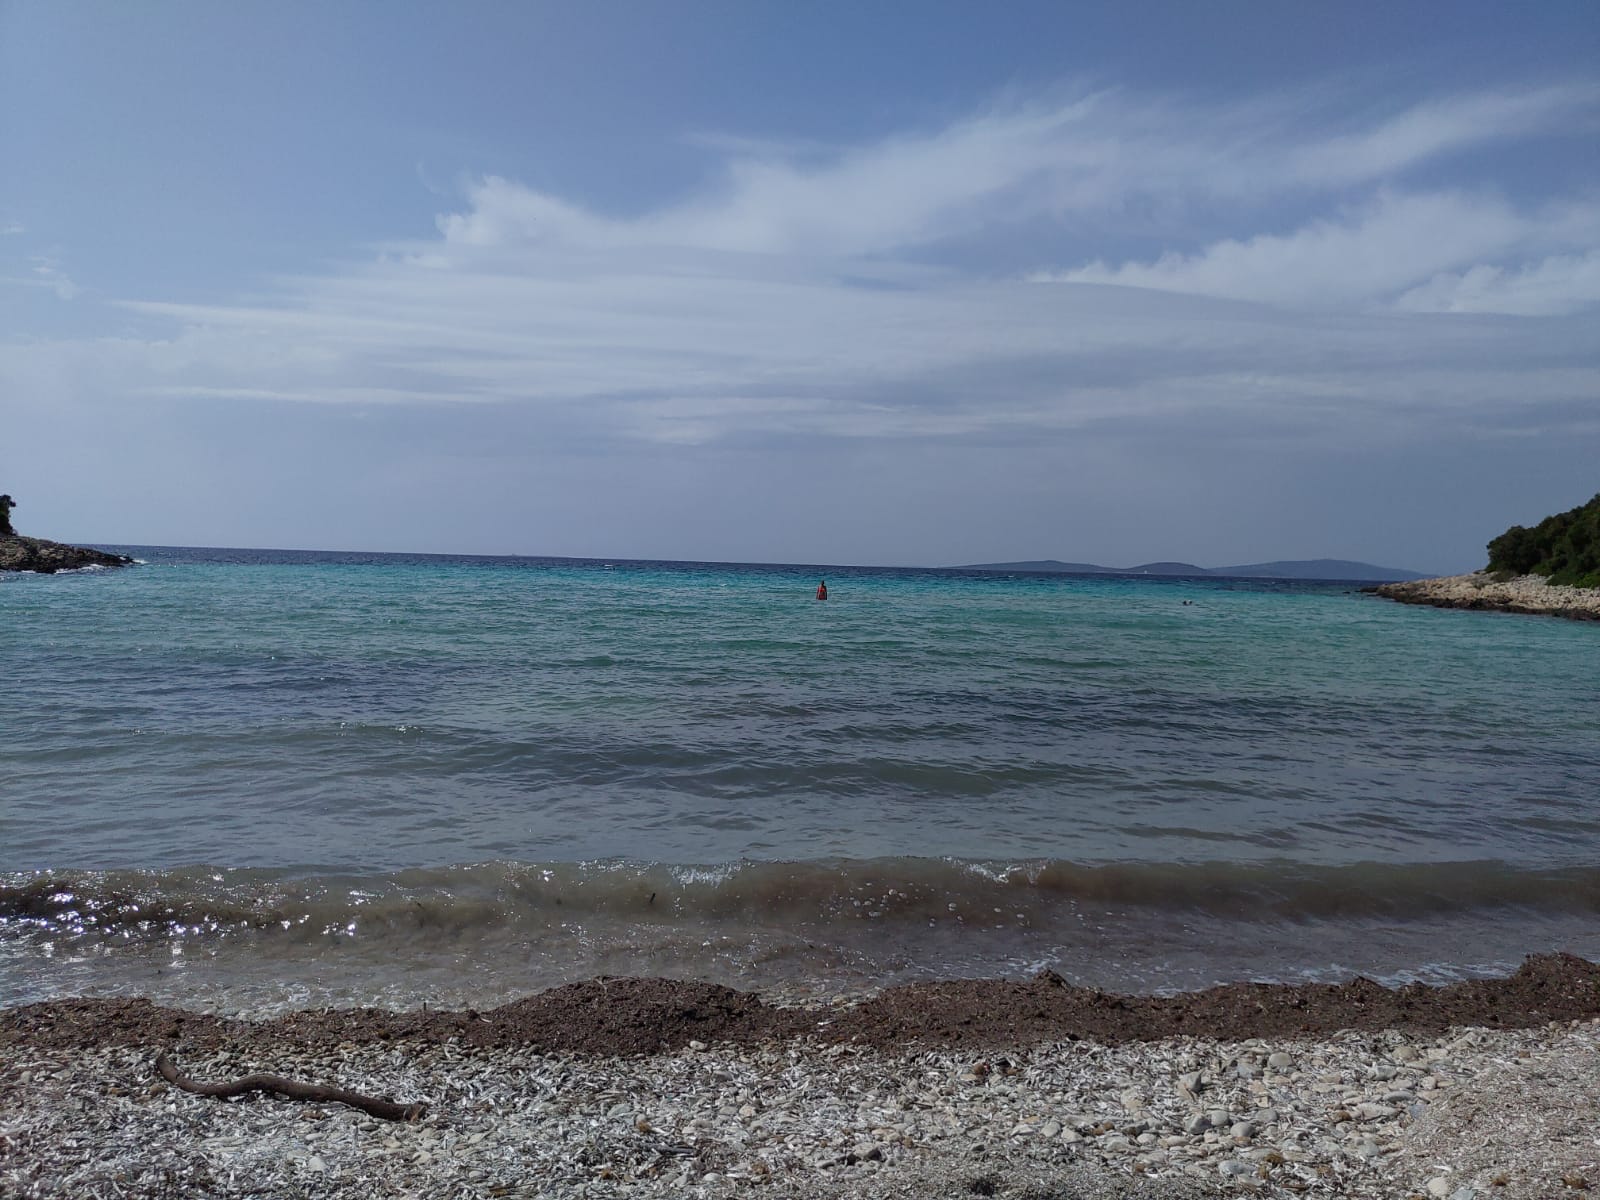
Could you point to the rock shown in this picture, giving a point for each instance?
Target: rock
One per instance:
(19, 553)
(1232, 1168)
(1190, 1082)
(1242, 1129)
(1438, 1186)
(1197, 1124)
(1280, 1061)
(1528, 594)
(1219, 1118)
(1050, 1129)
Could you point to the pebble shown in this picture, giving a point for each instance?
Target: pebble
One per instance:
(516, 1122)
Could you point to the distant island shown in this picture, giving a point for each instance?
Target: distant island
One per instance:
(1338, 569)
(1552, 569)
(18, 553)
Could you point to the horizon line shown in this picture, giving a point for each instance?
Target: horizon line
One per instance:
(714, 562)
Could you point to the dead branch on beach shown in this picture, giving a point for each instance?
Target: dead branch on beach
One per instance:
(290, 1089)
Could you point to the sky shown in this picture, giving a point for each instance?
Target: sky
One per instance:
(830, 283)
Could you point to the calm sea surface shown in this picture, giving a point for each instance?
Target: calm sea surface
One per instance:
(247, 780)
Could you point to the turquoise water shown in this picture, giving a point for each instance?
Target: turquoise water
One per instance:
(379, 773)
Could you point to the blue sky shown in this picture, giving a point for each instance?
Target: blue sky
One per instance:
(824, 283)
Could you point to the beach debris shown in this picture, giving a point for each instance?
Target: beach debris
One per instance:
(289, 1089)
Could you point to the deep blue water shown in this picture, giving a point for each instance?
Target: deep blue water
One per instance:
(230, 758)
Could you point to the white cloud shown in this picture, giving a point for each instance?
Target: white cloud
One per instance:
(43, 272)
(1091, 156)
(1437, 127)
(1359, 257)
(1554, 286)
(779, 302)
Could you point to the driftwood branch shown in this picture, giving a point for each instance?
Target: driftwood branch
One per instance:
(386, 1110)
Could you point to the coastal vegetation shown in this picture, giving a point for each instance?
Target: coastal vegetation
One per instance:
(6, 505)
(1564, 548)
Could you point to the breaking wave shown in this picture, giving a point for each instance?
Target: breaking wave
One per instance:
(202, 903)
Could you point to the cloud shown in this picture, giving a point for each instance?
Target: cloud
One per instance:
(792, 296)
(1436, 127)
(1551, 287)
(1354, 258)
(1090, 156)
(41, 271)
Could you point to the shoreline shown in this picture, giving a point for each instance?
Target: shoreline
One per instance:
(610, 1015)
(1531, 595)
(44, 557)
(655, 1088)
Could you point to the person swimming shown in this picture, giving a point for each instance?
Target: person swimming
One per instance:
(822, 589)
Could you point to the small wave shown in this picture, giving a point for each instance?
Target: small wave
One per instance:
(207, 903)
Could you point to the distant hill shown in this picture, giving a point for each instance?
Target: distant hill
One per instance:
(1317, 568)
(1165, 568)
(1307, 568)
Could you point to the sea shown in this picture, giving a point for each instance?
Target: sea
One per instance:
(248, 781)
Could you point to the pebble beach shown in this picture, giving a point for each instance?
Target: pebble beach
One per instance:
(1531, 594)
(1383, 1111)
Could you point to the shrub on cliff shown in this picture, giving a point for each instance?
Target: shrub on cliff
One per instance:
(6, 505)
(1564, 548)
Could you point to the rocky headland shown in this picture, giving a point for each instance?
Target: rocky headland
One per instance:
(18, 553)
(1524, 594)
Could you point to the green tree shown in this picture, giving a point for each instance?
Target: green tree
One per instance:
(1564, 548)
(6, 505)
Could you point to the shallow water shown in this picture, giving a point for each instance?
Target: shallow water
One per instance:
(348, 777)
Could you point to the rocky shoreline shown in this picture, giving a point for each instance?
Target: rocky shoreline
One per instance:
(656, 1088)
(1530, 594)
(18, 553)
